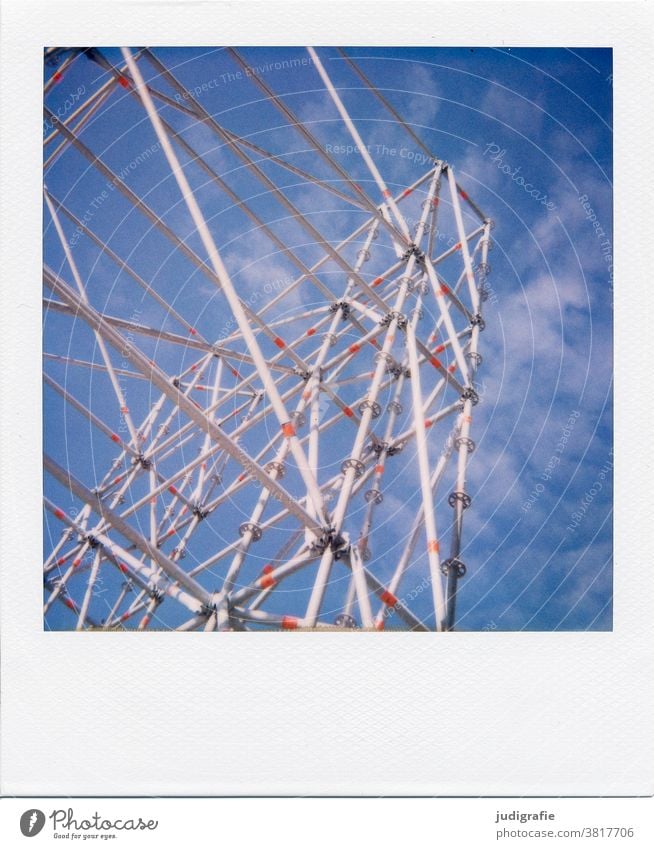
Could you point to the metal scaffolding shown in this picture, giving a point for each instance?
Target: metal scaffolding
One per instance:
(240, 479)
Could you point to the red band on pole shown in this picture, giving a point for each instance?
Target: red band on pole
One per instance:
(347, 412)
(288, 430)
(115, 437)
(377, 281)
(267, 581)
(435, 362)
(433, 546)
(289, 623)
(354, 348)
(279, 342)
(311, 331)
(388, 598)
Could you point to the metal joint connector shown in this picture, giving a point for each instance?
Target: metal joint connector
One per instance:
(453, 567)
(463, 497)
(200, 512)
(469, 394)
(252, 528)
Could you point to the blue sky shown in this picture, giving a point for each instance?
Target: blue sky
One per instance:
(528, 132)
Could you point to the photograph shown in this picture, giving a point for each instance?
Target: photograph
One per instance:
(327, 339)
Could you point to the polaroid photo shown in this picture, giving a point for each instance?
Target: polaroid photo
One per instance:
(311, 448)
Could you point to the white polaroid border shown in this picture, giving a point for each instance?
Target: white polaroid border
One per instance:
(325, 714)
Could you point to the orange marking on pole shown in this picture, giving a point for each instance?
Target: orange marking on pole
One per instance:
(118, 479)
(435, 201)
(377, 281)
(267, 569)
(288, 430)
(467, 418)
(311, 331)
(171, 532)
(76, 563)
(123, 568)
(125, 616)
(57, 76)
(69, 603)
(192, 331)
(433, 546)
(428, 423)
(379, 469)
(379, 626)
(289, 623)
(435, 362)
(267, 581)
(347, 412)
(279, 342)
(115, 437)
(124, 409)
(439, 349)
(61, 561)
(388, 598)
(242, 477)
(452, 368)
(144, 622)
(172, 490)
(386, 193)
(124, 82)
(354, 348)
(406, 193)
(463, 194)
(457, 247)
